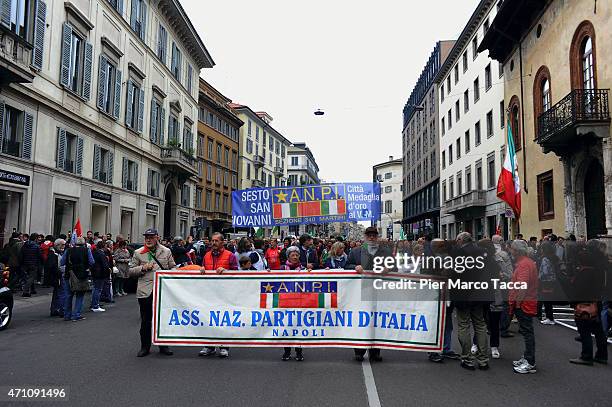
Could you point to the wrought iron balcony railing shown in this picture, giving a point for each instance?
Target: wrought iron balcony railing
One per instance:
(580, 106)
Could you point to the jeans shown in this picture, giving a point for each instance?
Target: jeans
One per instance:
(506, 318)
(604, 316)
(70, 313)
(107, 292)
(58, 299)
(585, 329)
(526, 329)
(494, 319)
(473, 314)
(97, 291)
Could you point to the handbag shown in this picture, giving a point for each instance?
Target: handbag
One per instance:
(77, 285)
(586, 311)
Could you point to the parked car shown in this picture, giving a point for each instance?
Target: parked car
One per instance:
(6, 298)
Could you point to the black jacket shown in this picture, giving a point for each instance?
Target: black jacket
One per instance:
(52, 269)
(180, 254)
(100, 269)
(31, 255)
(309, 256)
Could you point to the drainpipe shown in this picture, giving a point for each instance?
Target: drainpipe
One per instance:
(523, 120)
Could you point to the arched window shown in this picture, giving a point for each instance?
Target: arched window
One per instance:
(542, 99)
(515, 123)
(583, 57)
(588, 75)
(545, 86)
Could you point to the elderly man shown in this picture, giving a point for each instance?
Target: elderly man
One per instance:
(524, 302)
(152, 256)
(470, 305)
(360, 259)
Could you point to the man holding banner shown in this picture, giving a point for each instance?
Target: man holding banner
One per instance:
(152, 256)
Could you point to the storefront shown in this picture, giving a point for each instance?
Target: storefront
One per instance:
(64, 215)
(100, 209)
(152, 211)
(127, 216)
(12, 204)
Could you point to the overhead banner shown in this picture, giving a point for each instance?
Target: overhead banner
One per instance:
(306, 204)
(276, 309)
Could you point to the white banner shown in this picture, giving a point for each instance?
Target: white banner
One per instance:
(315, 309)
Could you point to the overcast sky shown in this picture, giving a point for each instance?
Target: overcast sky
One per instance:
(357, 61)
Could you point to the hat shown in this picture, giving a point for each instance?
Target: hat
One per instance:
(371, 230)
(150, 232)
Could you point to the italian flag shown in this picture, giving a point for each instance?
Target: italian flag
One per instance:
(312, 208)
(298, 300)
(509, 185)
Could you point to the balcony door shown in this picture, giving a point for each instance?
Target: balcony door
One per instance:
(594, 200)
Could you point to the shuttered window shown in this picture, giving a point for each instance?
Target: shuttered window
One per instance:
(162, 43)
(109, 87)
(134, 115)
(176, 65)
(69, 154)
(16, 130)
(129, 178)
(76, 62)
(103, 164)
(153, 183)
(158, 122)
(138, 18)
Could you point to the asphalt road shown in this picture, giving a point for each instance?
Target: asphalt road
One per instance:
(96, 360)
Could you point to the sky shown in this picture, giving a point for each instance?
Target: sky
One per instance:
(355, 60)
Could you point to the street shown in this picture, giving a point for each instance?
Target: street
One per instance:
(95, 360)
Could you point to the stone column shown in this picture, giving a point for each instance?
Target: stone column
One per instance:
(606, 146)
(568, 194)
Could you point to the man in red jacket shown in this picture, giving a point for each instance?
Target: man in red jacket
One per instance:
(273, 256)
(524, 302)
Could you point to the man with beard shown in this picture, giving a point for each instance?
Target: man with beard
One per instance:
(361, 259)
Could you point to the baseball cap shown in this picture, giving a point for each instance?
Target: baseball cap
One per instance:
(150, 232)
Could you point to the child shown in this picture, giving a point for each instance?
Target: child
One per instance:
(245, 263)
(293, 264)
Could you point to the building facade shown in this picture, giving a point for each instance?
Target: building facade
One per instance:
(472, 134)
(98, 104)
(557, 79)
(217, 154)
(302, 168)
(390, 176)
(262, 150)
(421, 152)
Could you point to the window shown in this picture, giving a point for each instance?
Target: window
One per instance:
(225, 203)
(129, 179)
(443, 159)
(218, 176)
(459, 183)
(468, 179)
(219, 153)
(444, 191)
(249, 129)
(138, 18)
(185, 195)
(153, 183)
(491, 170)
(294, 161)
(457, 113)
(189, 78)
(226, 178)
(227, 155)
(103, 165)
(546, 202)
(476, 90)
(475, 46)
(477, 133)
(588, 75)
(443, 127)
(450, 119)
(198, 198)
(388, 206)
(458, 148)
(486, 26)
(188, 138)
(456, 73)
(465, 61)
(441, 93)
(256, 133)
(162, 44)
(158, 122)
(16, 129)
(433, 164)
(249, 146)
(76, 63)
(451, 187)
(388, 189)
(450, 154)
(488, 82)
(209, 200)
(467, 141)
(208, 172)
(388, 175)
(479, 175)
(502, 114)
(69, 155)
(466, 101)
(515, 123)
(174, 130)
(490, 124)
(176, 66)
(117, 5)
(448, 85)
(109, 87)
(134, 113)
(217, 201)
(234, 161)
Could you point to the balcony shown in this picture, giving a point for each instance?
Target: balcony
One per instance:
(279, 171)
(583, 113)
(15, 58)
(178, 162)
(476, 198)
(258, 184)
(259, 161)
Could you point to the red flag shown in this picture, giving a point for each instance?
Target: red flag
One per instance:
(77, 228)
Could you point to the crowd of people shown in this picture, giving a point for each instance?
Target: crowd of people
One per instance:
(555, 270)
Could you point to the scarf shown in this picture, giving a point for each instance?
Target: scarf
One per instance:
(294, 267)
(335, 259)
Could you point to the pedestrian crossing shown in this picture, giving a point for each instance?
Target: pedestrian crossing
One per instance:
(564, 316)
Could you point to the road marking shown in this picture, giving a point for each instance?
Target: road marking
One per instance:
(368, 376)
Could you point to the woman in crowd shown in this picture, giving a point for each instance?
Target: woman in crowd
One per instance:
(245, 248)
(99, 274)
(293, 264)
(549, 266)
(336, 258)
(54, 274)
(122, 262)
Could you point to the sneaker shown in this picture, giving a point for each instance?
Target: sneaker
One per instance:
(223, 353)
(547, 322)
(299, 356)
(519, 362)
(286, 356)
(99, 309)
(207, 352)
(436, 358)
(525, 368)
(474, 349)
(467, 365)
(495, 353)
(451, 355)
